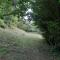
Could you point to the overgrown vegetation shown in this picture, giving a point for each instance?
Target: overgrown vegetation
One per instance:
(45, 15)
(16, 44)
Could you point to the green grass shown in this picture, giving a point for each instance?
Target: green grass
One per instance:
(14, 42)
(17, 44)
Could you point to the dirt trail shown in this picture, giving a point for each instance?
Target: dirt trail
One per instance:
(25, 46)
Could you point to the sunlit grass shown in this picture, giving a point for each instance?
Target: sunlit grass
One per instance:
(13, 39)
(17, 44)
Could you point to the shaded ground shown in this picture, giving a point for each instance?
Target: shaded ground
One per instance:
(16, 44)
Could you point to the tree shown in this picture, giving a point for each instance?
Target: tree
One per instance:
(9, 8)
(47, 18)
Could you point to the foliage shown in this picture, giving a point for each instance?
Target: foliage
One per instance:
(12, 10)
(13, 21)
(2, 24)
(22, 25)
(47, 18)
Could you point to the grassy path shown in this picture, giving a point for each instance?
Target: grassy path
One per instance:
(19, 45)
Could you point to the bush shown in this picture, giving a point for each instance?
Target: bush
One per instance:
(23, 26)
(13, 21)
(2, 24)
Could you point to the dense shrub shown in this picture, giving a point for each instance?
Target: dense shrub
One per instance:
(13, 21)
(2, 24)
